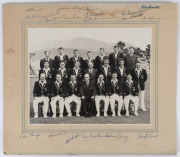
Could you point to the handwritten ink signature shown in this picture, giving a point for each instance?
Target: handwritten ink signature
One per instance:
(35, 135)
(150, 7)
(56, 134)
(147, 135)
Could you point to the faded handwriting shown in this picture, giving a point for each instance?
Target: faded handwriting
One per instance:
(150, 7)
(56, 134)
(147, 135)
(34, 9)
(28, 135)
(73, 137)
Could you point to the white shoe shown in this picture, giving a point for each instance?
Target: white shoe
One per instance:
(105, 114)
(132, 108)
(45, 116)
(61, 115)
(54, 115)
(77, 115)
(113, 115)
(136, 114)
(36, 115)
(119, 114)
(69, 114)
(98, 114)
(144, 109)
(127, 113)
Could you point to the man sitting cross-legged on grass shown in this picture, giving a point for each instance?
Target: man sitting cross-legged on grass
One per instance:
(101, 93)
(41, 94)
(115, 90)
(73, 95)
(131, 92)
(57, 95)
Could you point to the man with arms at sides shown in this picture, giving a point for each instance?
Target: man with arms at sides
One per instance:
(47, 71)
(87, 96)
(140, 76)
(131, 92)
(41, 94)
(106, 70)
(98, 63)
(92, 72)
(101, 93)
(115, 91)
(47, 58)
(78, 72)
(88, 60)
(63, 72)
(130, 59)
(75, 58)
(61, 57)
(114, 57)
(73, 95)
(58, 91)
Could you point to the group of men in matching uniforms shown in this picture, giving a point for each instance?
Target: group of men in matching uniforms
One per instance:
(116, 78)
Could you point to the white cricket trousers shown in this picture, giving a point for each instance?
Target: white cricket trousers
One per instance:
(73, 98)
(61, 104)
(119, 99)
(134, 99)
(141, 99)
(38, 100)
(98, 98)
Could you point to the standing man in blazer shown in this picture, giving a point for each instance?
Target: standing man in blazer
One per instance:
(92, 72)
(98, 63)
(61, 57)
(140, 76)
(75, 58)
(131, 92)
(88, 60)
(87, 96)
(41, 93)
(58, 91)
(114, 57)
(47, 58)
(115, 91)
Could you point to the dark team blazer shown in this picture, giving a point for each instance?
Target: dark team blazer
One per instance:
(130, 62)
(70, 89)
(72, 62)
(85, 63)
(122, 78)
(51, 63)
(132, 89)
(49, 77)
(101, 90)
(98, 62)
(58, 90)
(141, 79)
(57, 60)
(40, 90)
(79, 76)
(93, 75)
(115, 89)
(114, 61)
(65, 77)
(107, 77)
(87, 90)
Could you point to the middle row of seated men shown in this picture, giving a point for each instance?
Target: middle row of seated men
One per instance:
(107, 84)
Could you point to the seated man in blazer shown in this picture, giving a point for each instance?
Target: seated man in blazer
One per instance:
(131, 92)
(47, 58)
(115, 91)
(87, 96)
(41, 93)
(73, 95)
(88, 60)
(140, 76)
(47, 71)
(92, 72)
(101, 93)
(78, 72)
(63, 72)
(75, 58)
(58, 90)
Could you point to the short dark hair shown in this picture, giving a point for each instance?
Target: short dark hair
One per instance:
(105, 58)
(101, 74)
(116, 46)
(128, 74)
(138, 62)
(60, 48)
(62, 62)
(102, 49)
(131, 48)
(73, 74)
(121, 59)
(58, 74)
(42, 73)
(75, 50)
(46, 52)
(114, 72)
(88, 52)
(46, 62)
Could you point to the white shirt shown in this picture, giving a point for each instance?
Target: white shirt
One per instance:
(61, 56)
(121, 70)
(58, 83)
(101, 57)
(115, 54)
(90, 71)
(76, 58)
(46, 71)
(130, 83)
(138, 71)
(62, 71)
(114, 81)
(101, 83)
(106, 69)
(42, 83)
(76, 71)
(72, 83)
(47, 59)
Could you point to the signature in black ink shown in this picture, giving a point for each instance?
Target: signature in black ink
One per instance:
(150, 7)
(147, 135)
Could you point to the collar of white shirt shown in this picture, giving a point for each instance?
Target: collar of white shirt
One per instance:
(61, 56)
(129, 82)
(58, 83)
(138, 70)
(72, 83)
(114, 81)
(46, 69)
(42, 83)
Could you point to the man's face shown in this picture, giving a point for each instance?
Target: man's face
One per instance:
(116, 49)
(61, 51)
(46, 64)
(77, 65)
(101, 52)
(89, 55)
(73, 78)
(90, 65)
(76, 53)
(121, 63)
(138, 65)
(42, 77)
(86, 77)
(58, 78)
(114, 76)
(131, 51)
(62, 65)
(129, 77)
(47, 54)
(101, 77)
(106, 62)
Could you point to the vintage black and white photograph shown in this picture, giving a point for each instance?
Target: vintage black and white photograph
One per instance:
(89, 75)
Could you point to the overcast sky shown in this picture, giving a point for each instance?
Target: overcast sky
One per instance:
(139, 37)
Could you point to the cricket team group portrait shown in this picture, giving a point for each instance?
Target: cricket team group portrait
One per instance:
(104, 85)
